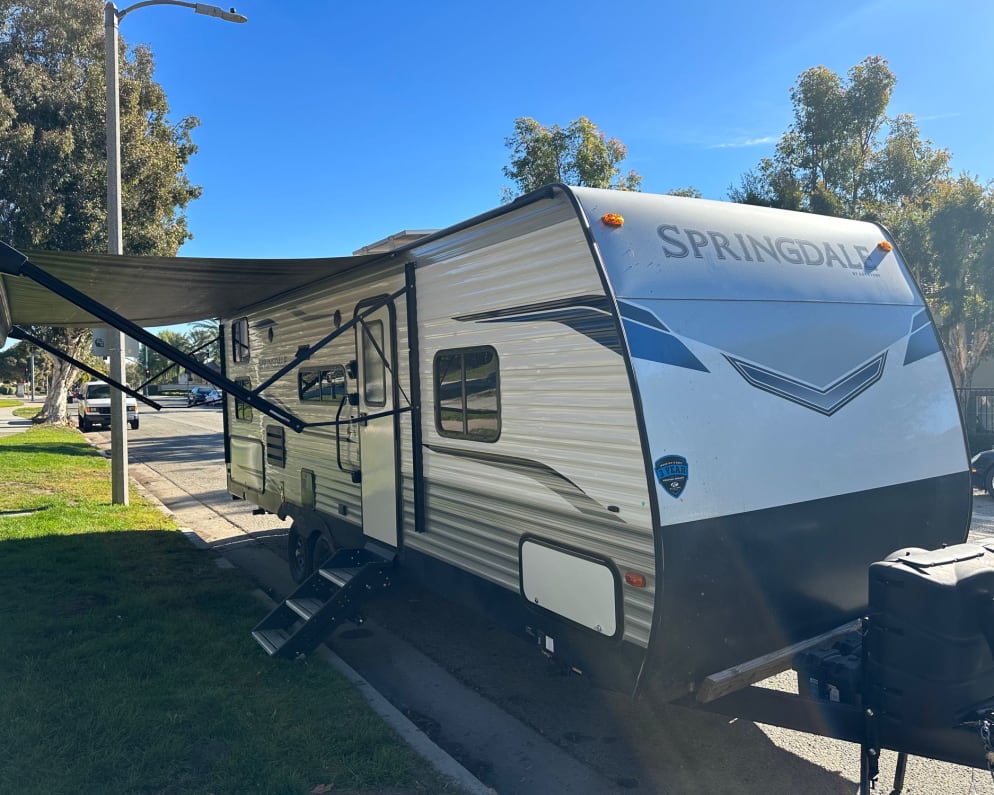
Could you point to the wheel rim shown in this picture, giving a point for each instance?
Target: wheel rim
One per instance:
(299, 553)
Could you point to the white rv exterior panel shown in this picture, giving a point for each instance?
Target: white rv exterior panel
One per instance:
(694, 249)
(277, 331)
(568, 466)
(812, 454)
(740, 320)
(576, 587)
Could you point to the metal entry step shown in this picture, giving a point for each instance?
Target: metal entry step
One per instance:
(330, 596)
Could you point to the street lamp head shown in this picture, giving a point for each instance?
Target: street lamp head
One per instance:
(216, 11)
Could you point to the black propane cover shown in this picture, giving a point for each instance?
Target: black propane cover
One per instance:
(930, 635)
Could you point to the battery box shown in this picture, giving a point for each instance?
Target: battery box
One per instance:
(928, 638)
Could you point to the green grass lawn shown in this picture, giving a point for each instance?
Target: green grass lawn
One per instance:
(127, 664)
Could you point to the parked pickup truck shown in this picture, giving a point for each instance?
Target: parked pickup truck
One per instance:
(94, 407)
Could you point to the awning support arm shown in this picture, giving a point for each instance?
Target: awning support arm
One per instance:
(19, 333)
(15, 263)
(307, 351)
(358, 420)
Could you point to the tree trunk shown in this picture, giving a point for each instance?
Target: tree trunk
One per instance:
(965, 351)
(54, 411)
(954, 340)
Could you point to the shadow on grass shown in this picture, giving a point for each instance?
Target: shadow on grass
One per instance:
(77, 450)
(127, 665)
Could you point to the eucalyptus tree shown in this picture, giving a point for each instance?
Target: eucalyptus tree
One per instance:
(53, 152)
(578, 154)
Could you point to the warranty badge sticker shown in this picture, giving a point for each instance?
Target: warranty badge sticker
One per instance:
(672, 473)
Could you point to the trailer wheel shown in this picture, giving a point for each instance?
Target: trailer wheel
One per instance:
(989, 482)
(321, 550)
(297, 553)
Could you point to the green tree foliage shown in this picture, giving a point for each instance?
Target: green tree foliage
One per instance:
(14, 363)
(578, 154)
(204, 338)
(947, 236)
(201, 342)
(844, 156)
(157, 362)
(687, 193)
(827, 160)
(53, 149)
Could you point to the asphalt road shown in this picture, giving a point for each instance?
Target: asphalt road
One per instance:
(493, 701)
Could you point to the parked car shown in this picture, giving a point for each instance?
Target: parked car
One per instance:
(982, 471)
(202, 394)
(93, 409)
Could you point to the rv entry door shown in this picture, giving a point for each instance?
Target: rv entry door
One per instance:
(375, 343)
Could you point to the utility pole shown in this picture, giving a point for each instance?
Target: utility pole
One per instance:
(115, 241)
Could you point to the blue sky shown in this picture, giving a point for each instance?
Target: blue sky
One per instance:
(327, 125)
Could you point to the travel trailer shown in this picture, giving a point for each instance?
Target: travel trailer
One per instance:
(665, 437)
(670, 434)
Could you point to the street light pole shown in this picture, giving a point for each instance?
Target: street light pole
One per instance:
(115, 245)
(115, 240)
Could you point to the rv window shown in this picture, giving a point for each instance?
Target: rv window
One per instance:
(243, 411)
(240, 340)
(467, 394)
(322, 384)
(374, 381)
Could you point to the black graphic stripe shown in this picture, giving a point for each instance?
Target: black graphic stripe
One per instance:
(590, 315)
(542, 474)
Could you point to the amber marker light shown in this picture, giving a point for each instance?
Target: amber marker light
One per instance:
(883, 245)
(635, 579)
(612, 219)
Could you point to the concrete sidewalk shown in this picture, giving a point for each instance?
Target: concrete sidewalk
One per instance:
(10, 424)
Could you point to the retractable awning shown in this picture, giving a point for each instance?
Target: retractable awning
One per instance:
(153, 291)
(128, 293)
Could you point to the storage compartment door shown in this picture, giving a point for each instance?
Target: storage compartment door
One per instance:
(578, 587)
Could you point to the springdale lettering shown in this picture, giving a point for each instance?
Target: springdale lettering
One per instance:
(679, 243)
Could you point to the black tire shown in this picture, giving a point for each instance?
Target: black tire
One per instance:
(84, 426)
(321, 550)
(298, 555)
(989, 482)
(134, 424)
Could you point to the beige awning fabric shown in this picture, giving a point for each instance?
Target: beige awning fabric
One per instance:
(155, 291)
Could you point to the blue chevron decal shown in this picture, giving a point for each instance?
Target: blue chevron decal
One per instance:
(826, 400)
